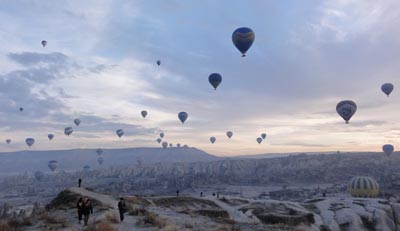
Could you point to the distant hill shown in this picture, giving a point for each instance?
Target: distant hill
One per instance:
(17, 162)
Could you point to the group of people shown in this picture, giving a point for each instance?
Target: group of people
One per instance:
(85, 208)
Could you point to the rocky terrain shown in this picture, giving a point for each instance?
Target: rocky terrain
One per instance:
(205, 213)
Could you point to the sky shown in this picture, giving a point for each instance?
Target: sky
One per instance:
(99, 65)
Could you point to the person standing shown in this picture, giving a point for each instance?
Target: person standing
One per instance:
(121, 208)
(177, 193)
(79, 182)
(87, 210)
(79, 206)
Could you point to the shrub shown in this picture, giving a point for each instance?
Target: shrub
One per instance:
(100, 226)
(112, 218)
(153, 220)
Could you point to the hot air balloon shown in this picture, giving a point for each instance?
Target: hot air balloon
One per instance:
(259, 140)
(178, 145)
(185, 146)
(215, 79)
(77, 122)
(50, 136)
(346, 109)
(159, 62)
(39, 175)
(363, 186)
(243, 38)
(162, 134)
(21, 109)
(263, 136)
(99, 151)
(53, 164)
(68, 131)
(144, 114)
(212, 139)
(159, 140)
(120, 133)
(30, 141)
(164, 144)
(44, 43)
(229, 134)
(182, 116)
(100, 160)
(387, 88)
(170, 145)
(388, 149)
(8, 141)
(86, 168)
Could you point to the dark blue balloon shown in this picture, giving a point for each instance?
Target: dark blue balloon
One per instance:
(243, 38)
(215, 79)
(158, 62)
(182, 116)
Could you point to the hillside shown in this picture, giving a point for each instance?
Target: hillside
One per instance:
(205, 214)
(69, 160)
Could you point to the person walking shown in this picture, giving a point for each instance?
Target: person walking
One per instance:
(79, 206)
(87, 210)
(177, 193)
(121, 208)
(79, 182)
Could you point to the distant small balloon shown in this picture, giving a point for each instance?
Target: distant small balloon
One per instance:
(170, 145)
(50, 136)
(86, 168)
(159, 140)
(44, 43)
(30, 141)
(259, 140)
(100, 160)
(263, 136)
(8, 141)
(212, 139)
(68, 131)
(53, 164)
(229, 134)
(99, 151)
(164, 144)
(162, 134)
(387, 88)
(215, 79)
(77, 122)
(21, 109)
(39, 175)
(144, 114)
(346, 109)
(120, 133)
(178, 145)
(388, 149)
(159, 62)
(182, 116)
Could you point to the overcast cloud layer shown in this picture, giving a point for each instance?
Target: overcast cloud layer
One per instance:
(100, 66)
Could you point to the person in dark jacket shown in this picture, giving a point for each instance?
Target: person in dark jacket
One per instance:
(87, 210)
(79, 206)
(79, 182)
(121, 208)
(177, 193)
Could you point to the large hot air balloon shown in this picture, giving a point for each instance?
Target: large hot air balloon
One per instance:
(120, 133)
(100, 160)
(229, 134)
(162, 134)
(215, 79)
(99, 151)
(263, 136)
(346, 109)
(182, 116)
(8, 141)
(159, 140)
(144, 114)
(77, 122)
(21, 109)
(243, 38)
(39, 175)
(44, 43)
(259, 140)
(159, 62)
(30, 141)
(86, 168)
(387, 88)
(50, 136)
(363, 186)
(212, 139)
(53, 164)
(164, 144)
(68, 131)
(388, 149)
